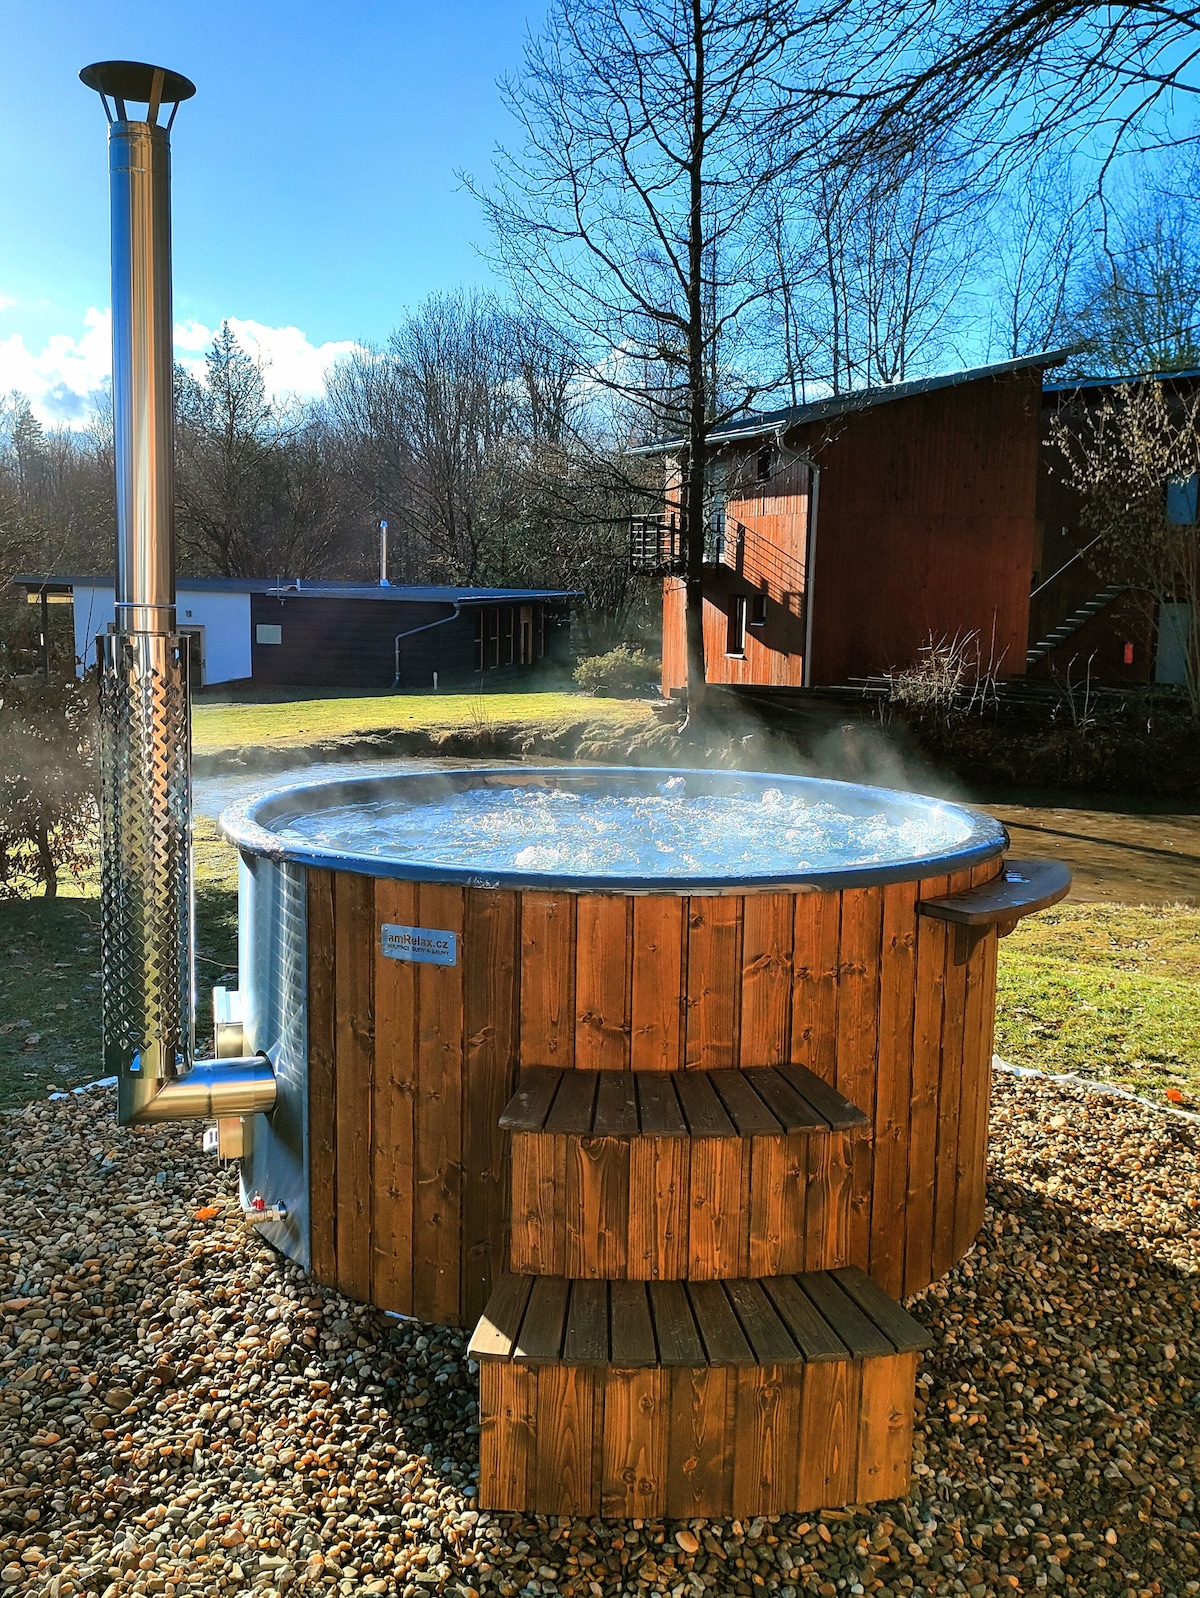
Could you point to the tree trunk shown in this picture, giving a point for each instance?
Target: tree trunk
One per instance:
(46, 860)
(692, 507)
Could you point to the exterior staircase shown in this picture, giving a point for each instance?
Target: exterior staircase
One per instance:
(1071, 624)
(683, 1331)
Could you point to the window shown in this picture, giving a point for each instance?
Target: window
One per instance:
(509, 639)
(766, 462)
(527, 635)
(478, 640)
(493, 638)
(1181, 502)
(758, 610)
(265, 633)
(735, 641)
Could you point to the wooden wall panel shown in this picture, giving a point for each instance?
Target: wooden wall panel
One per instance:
(634, 1444)
(766, 1026)
(659, 940)
(859, 950)
(978, 1019)
(393, 1107)
(437, 1195)
(354, 1056)
(935, 496)
(713, 961)
(817, 930)
(508, 1407)
(547, 1034)
(491, 971)
(602, 981)
(934, 943)
(950, 1084)
(699, 1472)
(893, 1091)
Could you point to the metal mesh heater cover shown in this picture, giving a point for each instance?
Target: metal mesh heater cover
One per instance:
(146, 886)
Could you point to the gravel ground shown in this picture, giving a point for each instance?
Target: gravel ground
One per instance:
(181, 1412)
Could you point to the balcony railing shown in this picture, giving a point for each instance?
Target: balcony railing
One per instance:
(656, 545)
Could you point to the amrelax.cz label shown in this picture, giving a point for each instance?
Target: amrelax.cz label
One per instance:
(427, 945)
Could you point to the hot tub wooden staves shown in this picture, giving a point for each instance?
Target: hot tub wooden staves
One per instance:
(759, 1118)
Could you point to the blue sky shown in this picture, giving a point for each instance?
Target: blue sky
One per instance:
(314, 172)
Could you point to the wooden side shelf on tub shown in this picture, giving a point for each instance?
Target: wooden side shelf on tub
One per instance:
(740, 1397)
(1024, 887)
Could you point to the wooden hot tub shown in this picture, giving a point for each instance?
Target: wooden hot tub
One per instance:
(676, 1145)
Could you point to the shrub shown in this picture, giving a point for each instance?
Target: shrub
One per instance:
(47, 783)
(625, 673)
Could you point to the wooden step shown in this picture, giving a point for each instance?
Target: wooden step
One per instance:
(743, 1103)
(742, 1397)
(647, 1176)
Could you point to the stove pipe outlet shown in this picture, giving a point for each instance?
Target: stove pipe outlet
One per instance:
(147, 923)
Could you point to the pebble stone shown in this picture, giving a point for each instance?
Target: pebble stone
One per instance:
(183, 1412)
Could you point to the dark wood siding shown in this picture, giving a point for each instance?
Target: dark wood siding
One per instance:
(925, 528)
(350, 643)
(327, 642)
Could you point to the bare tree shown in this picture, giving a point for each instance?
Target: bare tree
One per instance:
(1041, 222)
(1122, 456)
(1137, 308)
(628, 213)
(1022, 75)
(56, 494)
(434, 425)
(873, 257)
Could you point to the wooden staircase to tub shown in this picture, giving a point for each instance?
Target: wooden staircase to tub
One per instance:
(681, 1333)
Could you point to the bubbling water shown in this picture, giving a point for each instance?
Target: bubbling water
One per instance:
(665, 832)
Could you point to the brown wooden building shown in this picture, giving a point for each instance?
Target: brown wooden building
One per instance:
(1081, 622)
(848, 533)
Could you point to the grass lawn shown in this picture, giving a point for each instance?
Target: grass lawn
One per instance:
(50, 977)
(1110, 991)
(333, 718)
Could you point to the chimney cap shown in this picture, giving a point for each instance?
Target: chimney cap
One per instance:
(139, 81)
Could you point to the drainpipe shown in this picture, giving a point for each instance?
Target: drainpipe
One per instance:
(423, 628)
(810, 556)
(146, 914)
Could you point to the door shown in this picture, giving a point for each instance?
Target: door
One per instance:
(1170, 658)
(195, 637)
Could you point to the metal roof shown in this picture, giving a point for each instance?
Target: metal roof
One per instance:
(790, 416)
(401, 593)
(1069, 384)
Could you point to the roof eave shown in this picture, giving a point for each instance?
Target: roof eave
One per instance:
(783, 421)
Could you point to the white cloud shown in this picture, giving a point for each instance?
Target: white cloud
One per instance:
(5, 302)
(66, 379)
(292, 367)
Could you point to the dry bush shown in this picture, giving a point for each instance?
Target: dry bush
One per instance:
(949, 680)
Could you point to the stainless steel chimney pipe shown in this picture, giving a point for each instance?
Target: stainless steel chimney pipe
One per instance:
(145, 791)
